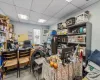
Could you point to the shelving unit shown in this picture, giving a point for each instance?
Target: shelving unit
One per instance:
(86, 35)
(79, 34)
(6, 29)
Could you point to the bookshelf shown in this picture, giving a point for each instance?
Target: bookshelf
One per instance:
(6, 32)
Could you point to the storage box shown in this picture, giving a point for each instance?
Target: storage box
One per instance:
(84, 17)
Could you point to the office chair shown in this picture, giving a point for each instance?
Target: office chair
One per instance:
(27, 44)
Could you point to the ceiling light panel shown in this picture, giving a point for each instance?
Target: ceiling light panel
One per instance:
(24, 17)
(22, 11)
(68, 0)
(41, 20)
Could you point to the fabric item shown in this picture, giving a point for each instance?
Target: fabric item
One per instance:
(94, 65)
(77, 68)
(95, 57)
(85, 78)
(91, 66)
(70, 66)
(66, 72)
(94, 75)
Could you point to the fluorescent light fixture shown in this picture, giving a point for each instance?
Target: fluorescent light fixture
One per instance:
(68, 0)
(21, 16)
(41, 21)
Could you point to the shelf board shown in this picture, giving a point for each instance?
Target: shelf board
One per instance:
(76, 34)
(63, 28)
(77, 43)
(78, 24)
(63, 42)
(62, 35)
(2, 32)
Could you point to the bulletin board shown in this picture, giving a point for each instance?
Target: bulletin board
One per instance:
(22, 37)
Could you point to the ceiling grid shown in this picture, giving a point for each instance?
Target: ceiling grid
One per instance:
(50, 10)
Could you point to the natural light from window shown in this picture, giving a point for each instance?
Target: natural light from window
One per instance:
(36, 33)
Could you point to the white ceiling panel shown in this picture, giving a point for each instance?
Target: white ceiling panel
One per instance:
(51, 21)
(79, 3)
(9, 10)
(22, 11)
(32, 22)
(7, 1)
(24, 21)
(68, 9)
(35, 16)
(23, 3)
(55, 7)
(89, 3)
(40, 5)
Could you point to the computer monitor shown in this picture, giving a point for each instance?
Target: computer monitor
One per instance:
(66, 53)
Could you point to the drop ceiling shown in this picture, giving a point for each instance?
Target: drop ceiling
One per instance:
(50, 10)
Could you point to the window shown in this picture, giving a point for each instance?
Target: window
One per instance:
(36, 33)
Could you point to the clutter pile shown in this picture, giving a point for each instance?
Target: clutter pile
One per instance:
(53, 69)
(93, 67)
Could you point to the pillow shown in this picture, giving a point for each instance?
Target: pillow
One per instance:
(95, 57)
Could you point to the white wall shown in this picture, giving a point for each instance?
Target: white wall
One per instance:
(1, 12)
(95, 20)
(22, 28)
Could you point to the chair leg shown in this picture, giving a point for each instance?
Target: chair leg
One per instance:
(19, 71)
(30, 67)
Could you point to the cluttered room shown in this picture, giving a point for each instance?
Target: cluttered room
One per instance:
(49, 40)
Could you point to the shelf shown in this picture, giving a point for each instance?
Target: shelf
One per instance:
(78, 24)
(77, 43)
(63, 42)
(2, 42)
(2, 32)
(62, 28)
(61, 35)
(70, 34)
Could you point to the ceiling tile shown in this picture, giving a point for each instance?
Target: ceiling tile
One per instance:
(89, 3)
(22, 11)
(52, 21)
(7, 1)
(40, 5)
(79, 3)
(23, 3)
(35, 16)
(55, 7)
(24, 21)
(68, 9)
(33, 22)
(9, 10)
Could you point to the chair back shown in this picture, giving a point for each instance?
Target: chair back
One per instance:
(27, 44)
(9, 55)
(24, 53)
